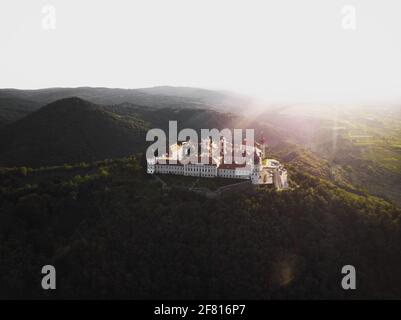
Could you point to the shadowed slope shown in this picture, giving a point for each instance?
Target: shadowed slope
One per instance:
(69, 130)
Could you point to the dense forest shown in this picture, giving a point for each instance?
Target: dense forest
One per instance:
(112, 231)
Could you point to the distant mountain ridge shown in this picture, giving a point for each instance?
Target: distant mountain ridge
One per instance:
(158, 97)
(14, 108)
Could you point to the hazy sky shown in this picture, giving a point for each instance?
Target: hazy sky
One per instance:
(275, 49)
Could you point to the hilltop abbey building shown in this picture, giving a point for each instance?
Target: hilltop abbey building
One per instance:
(260, 170)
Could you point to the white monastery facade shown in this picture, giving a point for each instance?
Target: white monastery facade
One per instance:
(260, 171)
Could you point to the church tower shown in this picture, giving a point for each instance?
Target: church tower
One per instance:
(263, 147)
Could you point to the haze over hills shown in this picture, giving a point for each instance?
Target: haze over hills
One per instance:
(158, 97)
(361, 144)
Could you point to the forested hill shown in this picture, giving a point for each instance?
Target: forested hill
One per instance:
(70, 130)
(112, 231)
